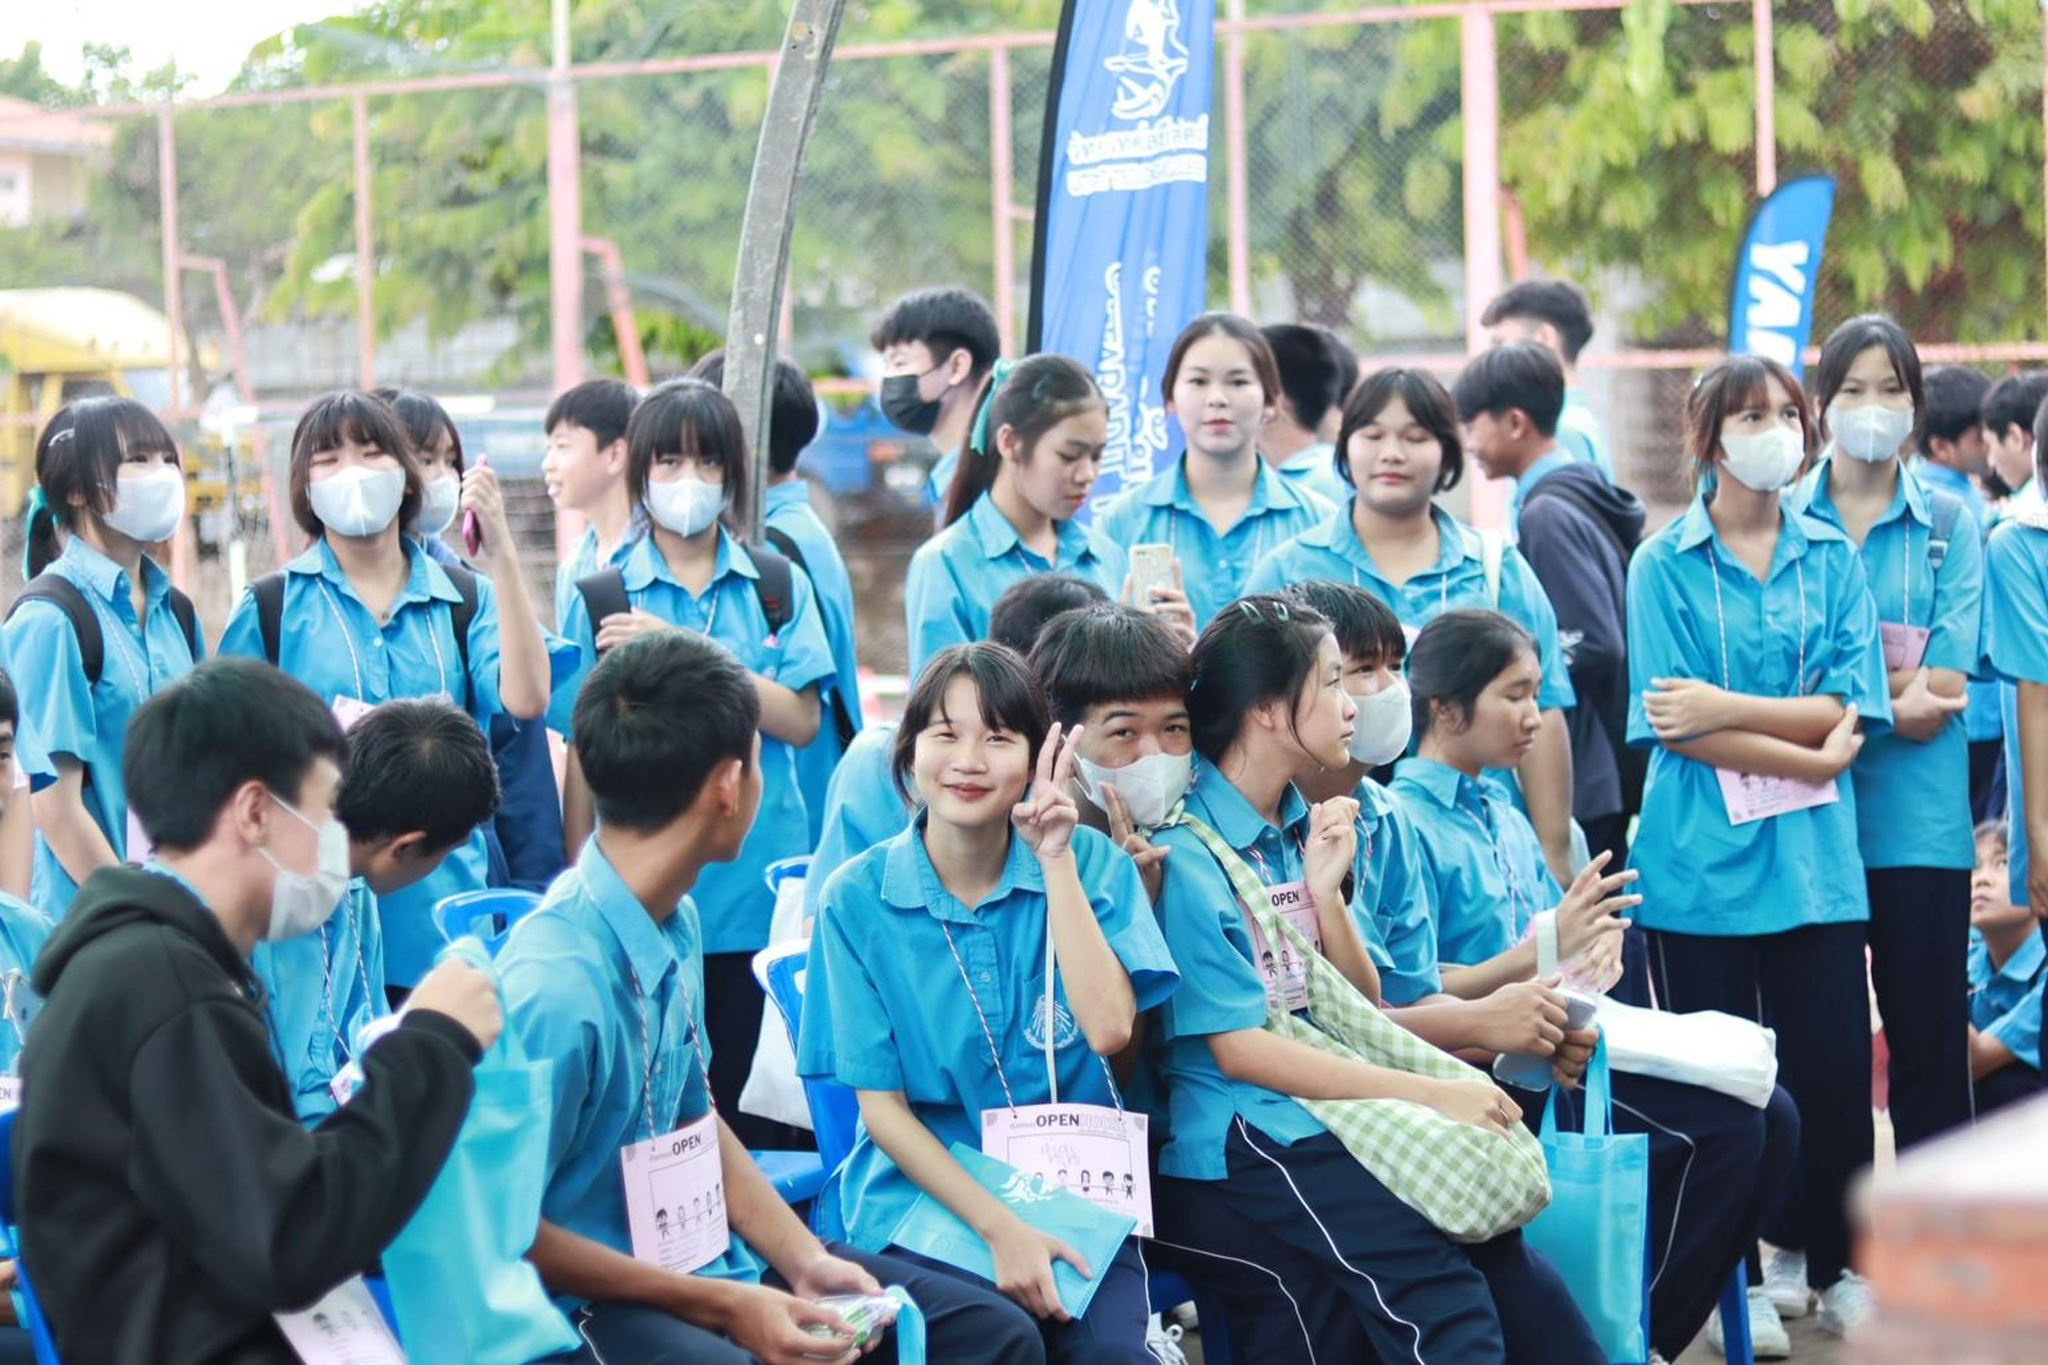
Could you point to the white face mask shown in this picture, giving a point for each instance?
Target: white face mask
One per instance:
(439, 502)
(149, 506)
(1764, 461)
(1869, 433)
(1150, 786)
(685, 506)
(1385, 720)
(357, 501)
(299, 904)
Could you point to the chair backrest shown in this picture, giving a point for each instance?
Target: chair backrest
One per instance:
(488, 914)
(40, 1338)
(835, 1112)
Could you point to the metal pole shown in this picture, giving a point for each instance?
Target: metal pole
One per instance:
(565, 241)
(611, 267)
(230, 320)
(174, 288)
(1237, 192)
(1479, 82)
(1002, 212)
(792, 111)
(366, 255)
(1765, 58)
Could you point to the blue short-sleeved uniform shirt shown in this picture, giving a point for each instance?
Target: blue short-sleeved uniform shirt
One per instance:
(1982, 720)
(1213, 565)
(1331, 550)
(1395, 904)
(583, 562)
(887, 1005)
(1579, 433)
(322, 988)
(2005, 1002)
(62, 714)
(2016, 632)
(1221, 990)
(23, 932)
(1480, 856)
(957, 575)
(590, 980)
(736, 905)
(1913, 799)
(329, 641)
(862, 808)
(1701, 874)
(789, 512)
(1313, 469)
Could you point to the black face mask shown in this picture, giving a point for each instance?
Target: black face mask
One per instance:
(904, 408)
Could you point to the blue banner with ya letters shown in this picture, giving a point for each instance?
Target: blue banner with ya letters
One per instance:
(1120, 263)
(1770, 307)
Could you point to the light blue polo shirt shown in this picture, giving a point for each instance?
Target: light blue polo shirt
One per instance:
(1913, 799)
(1313, 469)
(1482, 859)
(590, 980)
(1395, 905)
(61, 714)
(1982, 720)
(23, 932)
(957, 575)
(862, 808)
(322, 988)
(1578, 431)
(2006, 1003)
(1221, 990)
(887, 1004)
(737, 906)
(2016, 629)
(582, 563)
(329, 641)
(1332, 550)
(1213, 566)
(1701, 874)
(789, 512)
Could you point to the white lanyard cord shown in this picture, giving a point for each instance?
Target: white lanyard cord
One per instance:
(130, 655)
(327, 982)
(648, 1069)
(355, 662)
(1721, 621)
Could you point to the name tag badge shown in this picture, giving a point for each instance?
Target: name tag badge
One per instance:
(1085, 1149)
(1750, 797)
(10, 1093)
(675, 1197)
(343, 1085)
(1286, 975)
(344, 1328)
(349, 710)
(1904, 646)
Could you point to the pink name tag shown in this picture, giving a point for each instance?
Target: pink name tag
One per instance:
(1286, 975)
(1750, 797)
(675, 1197)
(1904, 646)
(1086, 1149)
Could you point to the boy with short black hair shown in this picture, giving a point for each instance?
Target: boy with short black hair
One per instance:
(585, 469)
(937, 346)
(1555, 315)
(1577, 530)
(2009, 409)
(169, 1200)
(1312, 389)
(606, 982)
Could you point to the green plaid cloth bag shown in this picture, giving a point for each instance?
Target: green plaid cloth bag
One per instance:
(1472, 1184)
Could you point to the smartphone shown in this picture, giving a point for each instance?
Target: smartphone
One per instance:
(1151, 567)
(472, 529)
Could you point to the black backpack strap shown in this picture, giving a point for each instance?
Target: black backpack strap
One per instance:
(603, 594)
(842, 717)
(63, 594)
(461, 617)
(187, 617)
(775, 585)
(1944, 510)
(269, 594)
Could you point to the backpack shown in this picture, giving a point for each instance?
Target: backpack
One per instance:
(1552, 488)
(1944, 510)
(63, 594)
(842, 718)
(269, 594)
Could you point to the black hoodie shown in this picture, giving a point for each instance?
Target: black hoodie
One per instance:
(1573, 528)
(170, 1201)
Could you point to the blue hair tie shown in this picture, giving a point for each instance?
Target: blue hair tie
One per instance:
(998, 375)
(34, 508)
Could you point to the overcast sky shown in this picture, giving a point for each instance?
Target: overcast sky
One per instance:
(208, 38)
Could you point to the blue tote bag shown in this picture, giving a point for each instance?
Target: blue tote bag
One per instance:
(461, 1287)
(1596, 1230)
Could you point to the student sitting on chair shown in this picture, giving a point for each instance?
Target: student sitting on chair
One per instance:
(2007, 968)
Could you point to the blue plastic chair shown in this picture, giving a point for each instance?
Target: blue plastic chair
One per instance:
(835, 1112)
(38, 1327)
(488, 914)
(1735, 1342)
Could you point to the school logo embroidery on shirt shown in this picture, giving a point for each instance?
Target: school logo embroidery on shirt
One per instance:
(1064, 1031)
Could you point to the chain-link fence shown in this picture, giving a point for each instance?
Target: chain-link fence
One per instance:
(1628, 160)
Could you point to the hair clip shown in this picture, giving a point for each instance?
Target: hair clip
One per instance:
(64, 435)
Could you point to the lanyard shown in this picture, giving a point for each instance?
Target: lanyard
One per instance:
(327, 1014)
(355, 661)
(1906, 565)
(648, 1070)
(1518, 899)
(1721, 621)
(130, 655)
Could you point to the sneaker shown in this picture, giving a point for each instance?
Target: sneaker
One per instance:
(1164, 1342)
(1846, 1305)
(1785, 1279)
(1767, 1338)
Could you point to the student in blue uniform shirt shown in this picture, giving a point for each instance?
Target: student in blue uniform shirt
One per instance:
(863, 804)
(2009, 446)
(112, 482)
(368, 616)
(605, 982)
(794, 528)
(585, 471)
(937, 347)
(1251, 1184)
(1473, 676)
(1317, 371)
(1221, 506)
(420, 779)
(687, 469)
(1400, 448)
(1925, 569)
(524, 839)
(23, 928)
(1025, 473)
(2008, 965)
(992, 865)
(2016, 627)
(1753, 654)
(1555, 315)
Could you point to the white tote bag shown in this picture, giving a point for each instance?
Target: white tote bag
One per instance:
(1705, 1048)
(773, 1090)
